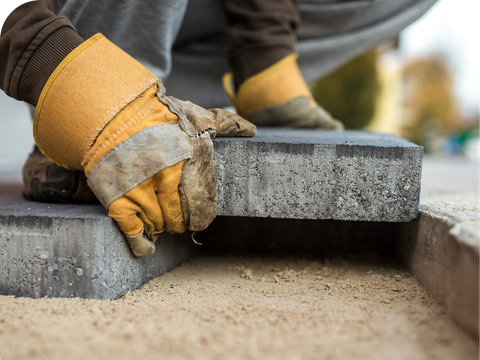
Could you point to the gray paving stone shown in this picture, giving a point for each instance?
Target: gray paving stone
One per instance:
(441, 248)
(61, 250)
(307, 174)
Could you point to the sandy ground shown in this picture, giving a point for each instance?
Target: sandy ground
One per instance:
(245, 307)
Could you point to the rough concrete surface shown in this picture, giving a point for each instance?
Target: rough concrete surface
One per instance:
(441, 248)
(62, 250)
(305, 174)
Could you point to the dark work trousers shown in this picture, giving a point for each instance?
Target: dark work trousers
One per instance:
(187, 44)
(260, 33)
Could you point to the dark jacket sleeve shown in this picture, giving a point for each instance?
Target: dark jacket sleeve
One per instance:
(33, 42)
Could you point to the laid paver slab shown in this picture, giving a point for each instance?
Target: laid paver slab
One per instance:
(441, 249)
(62, 250)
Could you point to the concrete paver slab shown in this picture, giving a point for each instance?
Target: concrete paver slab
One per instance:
(441, 249)
(308, 174)
(61, 250)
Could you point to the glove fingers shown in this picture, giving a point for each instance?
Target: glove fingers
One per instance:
(140, 245)
(138, 208)
(125, 213)
(223, 122)
(139, 217)
(150, 212)
(229, 124)
(166, 186)
(326, 121)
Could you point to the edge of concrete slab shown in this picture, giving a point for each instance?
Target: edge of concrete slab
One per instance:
(441, 248)
(93, 261)
(308, 174)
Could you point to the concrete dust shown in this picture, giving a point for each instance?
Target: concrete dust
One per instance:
(245, 307)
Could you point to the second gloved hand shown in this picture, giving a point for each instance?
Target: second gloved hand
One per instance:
(148, 157)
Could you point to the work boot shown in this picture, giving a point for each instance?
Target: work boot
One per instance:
(279, 96)
(48, 182)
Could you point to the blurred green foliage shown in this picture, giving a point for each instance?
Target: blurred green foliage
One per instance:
(350, 92)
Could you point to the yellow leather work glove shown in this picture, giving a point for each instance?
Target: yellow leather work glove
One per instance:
(148, 157)
(279, 96)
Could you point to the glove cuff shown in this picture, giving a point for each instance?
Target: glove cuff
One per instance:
(85, 92)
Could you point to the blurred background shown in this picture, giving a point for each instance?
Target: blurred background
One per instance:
(422, 85)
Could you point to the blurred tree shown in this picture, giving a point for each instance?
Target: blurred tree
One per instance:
(431, 107)
(350, 92)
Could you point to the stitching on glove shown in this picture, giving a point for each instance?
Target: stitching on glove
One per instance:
(114, 135)
(200, 134)
(110, 114)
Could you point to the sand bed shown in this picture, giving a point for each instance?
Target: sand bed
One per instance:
(245, 307)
